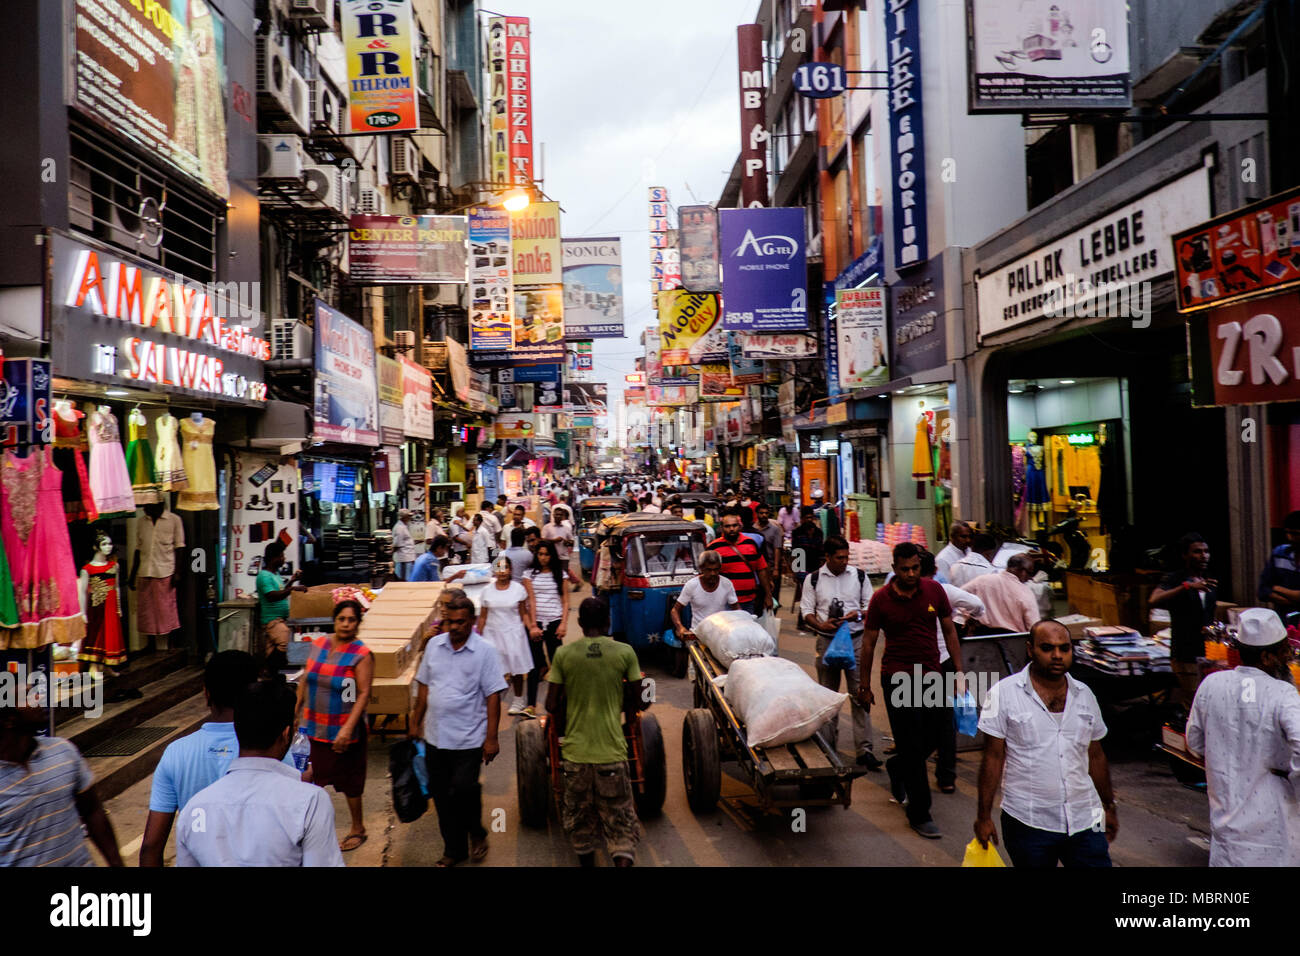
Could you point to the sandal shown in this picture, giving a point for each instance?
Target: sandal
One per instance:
(446, 862)
(478, 851)
(348, 843)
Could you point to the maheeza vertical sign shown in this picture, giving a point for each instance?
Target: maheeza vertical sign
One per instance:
(510, 48)
(753, 118)
(903, 39)
(379, 45)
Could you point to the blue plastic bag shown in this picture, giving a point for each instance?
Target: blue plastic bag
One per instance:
(840, 653)
(421, 771)
(966, 715)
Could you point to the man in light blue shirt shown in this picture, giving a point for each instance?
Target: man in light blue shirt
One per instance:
(201, 758)
(260, 813)
(457, 709)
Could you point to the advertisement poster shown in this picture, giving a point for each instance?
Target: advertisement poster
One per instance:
(417, 400)
(776, 346)
(690, 328)
(389, 373)
(917, 319)
(546, 381)
(586, 398)
(384, 250)
(862, 337)
(164, 87)
(490, 322)
(539, 323)
(744, 371)
(580, 357)
(593, 288)
(347, 395)
(264, 509)
(1245, 353)
(511, 98)
(382, 85)
(535, 245)
(764, 270)
(1043, 56)
(514, 426)
(716, 384)
(672, 396)
(697, 243)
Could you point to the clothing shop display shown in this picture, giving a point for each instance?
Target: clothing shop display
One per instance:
(70, 447)
(140, 460)
(1078, 466)
(104, 642)
(200, 466)
(109, 481)
(1036, 476)
(1112, 507)
(36, 542)
(168, 466)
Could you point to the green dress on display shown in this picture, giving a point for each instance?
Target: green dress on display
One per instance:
(140, 461)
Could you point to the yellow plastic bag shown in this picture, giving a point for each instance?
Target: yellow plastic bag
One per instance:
(977, 855)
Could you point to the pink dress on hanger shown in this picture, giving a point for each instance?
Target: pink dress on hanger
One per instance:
(39, 551)
(110, 482)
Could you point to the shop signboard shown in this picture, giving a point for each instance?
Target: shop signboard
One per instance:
(391, 250)
(581, 358)
(697, 244)
(1247, 353)
(764, 269)
(744, 371)
(480, 387)
(25, 410)
(776, 345)
(509, 62)
(584, 421)
(671, 396)
(535, 245)
(830, 318)
(514, 426)
(264, 509)
(690, 328)
(116, 321)
(917, 320)
(389, 373)
(1099, 270)
(1042, 59)
(635, 378)
(1249, 252)
(417, 400)
(379, 46)
(458, 370)
(347, 397)
(490, 322)
(545, 379)
(907, 133)
(863, 357)
(586, 398)
(593, 288)
(716, 384)
(753, 115)
(155, 73)
(864, 268)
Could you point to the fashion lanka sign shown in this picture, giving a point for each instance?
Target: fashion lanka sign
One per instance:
(535, 243)
(379, 45)
(764, 270)
(347, 395)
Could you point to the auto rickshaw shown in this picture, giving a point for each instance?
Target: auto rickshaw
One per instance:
(711, 504)
(590, 513)
(642, 563)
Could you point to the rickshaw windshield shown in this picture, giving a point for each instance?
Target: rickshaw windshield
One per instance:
(673, 554)
(593, 515)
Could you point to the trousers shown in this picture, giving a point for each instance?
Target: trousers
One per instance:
(454, 787)
(1030, 847)
(598, 800)
(916, 735)
(830, 677)
(543, 649)
(945, 771)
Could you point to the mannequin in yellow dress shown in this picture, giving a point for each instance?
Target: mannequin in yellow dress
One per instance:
(200, 466)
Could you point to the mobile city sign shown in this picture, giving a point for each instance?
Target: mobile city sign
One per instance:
(764, 270)
(379, 46)
(117, 322)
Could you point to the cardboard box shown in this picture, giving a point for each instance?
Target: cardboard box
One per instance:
(392, 695)
(315, 602)
(1075, 623)
(391, 657)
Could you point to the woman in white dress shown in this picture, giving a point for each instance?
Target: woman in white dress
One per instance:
(506, 620)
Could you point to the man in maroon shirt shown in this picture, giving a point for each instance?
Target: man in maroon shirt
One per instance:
(906, 610)
(742, 563)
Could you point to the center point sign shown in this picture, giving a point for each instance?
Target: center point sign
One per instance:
(118, 323)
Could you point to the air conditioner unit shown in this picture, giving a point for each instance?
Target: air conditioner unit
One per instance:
(405, 159)
(326, 105)
(281, 88)
(315, 13)
(323, 188)
(291, 339)
(108, 211)
(279, 156)
(372, 202)
(404, 339)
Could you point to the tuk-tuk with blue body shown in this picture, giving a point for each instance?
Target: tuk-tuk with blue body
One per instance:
(642, 563)
(590, 512)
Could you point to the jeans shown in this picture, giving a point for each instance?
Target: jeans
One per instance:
(830, 677)
(945, 771)
(916, 735)
(403, 569)
(1030, 847)
(543, 653)
(454, 786)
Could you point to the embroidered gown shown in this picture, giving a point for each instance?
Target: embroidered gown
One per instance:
(167, 464)
(70, 458)
(109, 481)
(200, 466)
(140, 461)
(104, 643)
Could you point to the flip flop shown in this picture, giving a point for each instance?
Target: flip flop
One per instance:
(446, 863)
(478, 851)
(348, 845)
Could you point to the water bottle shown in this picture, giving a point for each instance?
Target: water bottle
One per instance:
(301, 750)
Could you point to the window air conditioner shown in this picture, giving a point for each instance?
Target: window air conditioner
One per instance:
(404, 339)
(315, 13)
(324, 188)
(326, 105)
(405, 159)
(279, 156)
(291, 339)
(282, 92)
(372, 202)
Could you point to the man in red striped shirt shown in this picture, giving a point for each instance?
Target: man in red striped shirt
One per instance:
(742, 563)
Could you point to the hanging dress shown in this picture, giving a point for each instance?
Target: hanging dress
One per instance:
(39, 551)
(200, 466)
(140, 461)
(1036, 476)
(109, 482)
(168, 466)
(104, 643)
(70, 458)
(922, 459)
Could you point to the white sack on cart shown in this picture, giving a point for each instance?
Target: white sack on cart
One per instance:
(777, 701)
(733, 634)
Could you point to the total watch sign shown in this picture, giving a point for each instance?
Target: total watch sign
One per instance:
(117, 322)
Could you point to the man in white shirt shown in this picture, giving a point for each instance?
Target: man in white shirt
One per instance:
(518, 519)
(1246, 723)
(833, 594)
(491, 520)
(260, 813)
(1043, 733)
(1009, 603)
(979, 560)
(959, 536)
(704, 595)
(648, 505)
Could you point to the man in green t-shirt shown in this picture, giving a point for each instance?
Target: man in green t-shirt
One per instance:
(592, 680)
(273, 603)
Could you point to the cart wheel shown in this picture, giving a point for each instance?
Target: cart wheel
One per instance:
(532, 776)
(701, 764)
(649, 797)
(678, 658)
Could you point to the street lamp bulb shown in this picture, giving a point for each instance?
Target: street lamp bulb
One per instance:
(516, 201)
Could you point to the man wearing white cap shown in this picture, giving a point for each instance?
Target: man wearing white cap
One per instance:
(1246, 722)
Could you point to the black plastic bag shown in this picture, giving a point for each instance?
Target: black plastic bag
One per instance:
(408, 799)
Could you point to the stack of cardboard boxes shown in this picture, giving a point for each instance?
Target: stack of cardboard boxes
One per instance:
(395, 629)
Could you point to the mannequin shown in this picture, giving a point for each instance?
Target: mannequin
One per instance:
(98, 585)
(158, 558)
(1036, 493)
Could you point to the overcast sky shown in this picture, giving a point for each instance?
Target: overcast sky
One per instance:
(628, 96)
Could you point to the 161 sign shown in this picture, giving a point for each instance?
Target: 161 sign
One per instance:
(820, 81)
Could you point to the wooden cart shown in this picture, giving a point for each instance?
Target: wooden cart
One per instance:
(808, 773)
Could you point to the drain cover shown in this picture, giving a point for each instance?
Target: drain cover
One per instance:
(128, 742)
